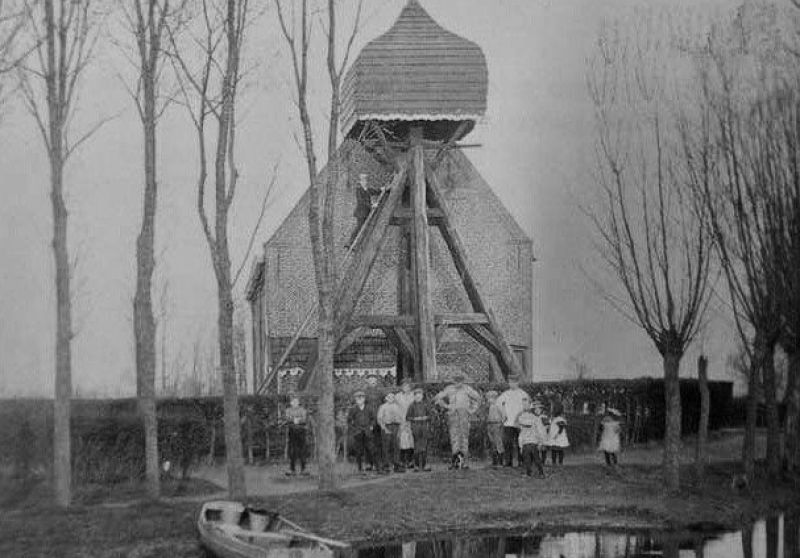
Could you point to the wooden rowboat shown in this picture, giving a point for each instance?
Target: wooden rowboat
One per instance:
(232, 530)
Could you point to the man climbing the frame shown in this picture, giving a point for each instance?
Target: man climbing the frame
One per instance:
(366, 199)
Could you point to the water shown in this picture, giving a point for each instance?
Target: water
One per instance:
(776, 537)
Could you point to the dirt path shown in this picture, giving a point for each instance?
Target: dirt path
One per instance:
(271, 480)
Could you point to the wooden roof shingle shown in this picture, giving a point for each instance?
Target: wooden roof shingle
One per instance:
(416, 71)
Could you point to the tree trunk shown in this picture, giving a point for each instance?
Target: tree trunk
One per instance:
(230, 397)
(771, 408)
(326, 439)
(143, 320)
(62, 468)
(747, 541)
(749, 442)
(672, 432)
(702, 428)
(57, 112)
(792, 433)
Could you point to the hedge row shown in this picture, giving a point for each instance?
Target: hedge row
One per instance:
(108, 437)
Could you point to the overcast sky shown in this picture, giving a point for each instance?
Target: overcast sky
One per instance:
(537, 154)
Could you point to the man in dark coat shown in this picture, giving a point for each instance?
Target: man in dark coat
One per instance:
(366, 198)
(419, 416)
(374, 399)
(361, 421)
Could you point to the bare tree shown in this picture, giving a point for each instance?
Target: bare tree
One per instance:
(320, 211)
(12, 21)
(650, 236)
(736, 200)
(210, 92)
(63, 35)
(146, 20)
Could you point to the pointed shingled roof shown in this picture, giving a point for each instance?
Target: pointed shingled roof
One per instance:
(417, 70)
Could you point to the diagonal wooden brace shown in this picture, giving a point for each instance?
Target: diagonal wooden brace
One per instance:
(505, 357)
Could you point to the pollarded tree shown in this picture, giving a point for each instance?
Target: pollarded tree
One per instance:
(744, 221)
(649, 233)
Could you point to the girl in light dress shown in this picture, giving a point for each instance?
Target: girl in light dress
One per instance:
(610, 435)
(558, 436)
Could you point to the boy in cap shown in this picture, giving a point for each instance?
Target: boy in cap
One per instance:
(511, 402)
(494, 428)
(389, 420)
(374, 399)
(360, 421)
(418, 416)
(462, 401)
(297, 418)
(533, 436)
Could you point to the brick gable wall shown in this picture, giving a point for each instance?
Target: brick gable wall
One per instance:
(500, 253)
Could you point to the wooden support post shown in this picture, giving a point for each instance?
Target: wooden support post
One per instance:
(506, 359)
(354, 278)
(440, 331)
(426, 336)
(405, 360)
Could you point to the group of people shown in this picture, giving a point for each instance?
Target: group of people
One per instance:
(391, 432)
(391, 435)
(519, 429)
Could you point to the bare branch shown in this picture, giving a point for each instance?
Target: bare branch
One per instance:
(264, 205)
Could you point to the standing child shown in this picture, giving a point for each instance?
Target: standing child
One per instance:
(532, 436)
(389, 420)
(418, 416)
(558, 435)
(297, 419)
(405, 436)
(494, 428)
(360, 420)
(610, 435)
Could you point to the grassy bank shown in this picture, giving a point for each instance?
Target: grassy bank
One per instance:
(578, 496)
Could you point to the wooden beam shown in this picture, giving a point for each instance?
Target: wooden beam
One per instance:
(349, 338)
(461, 319)
(483, 336)
(405, 339)
(426, 336)
(508, 363)
(440, 330)
(379, 321)
(355, 277)
(404, 214)
(391, 335)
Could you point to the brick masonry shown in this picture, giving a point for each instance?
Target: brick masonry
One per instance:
(282, 288)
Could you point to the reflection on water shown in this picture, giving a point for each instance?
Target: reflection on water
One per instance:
(772, 538)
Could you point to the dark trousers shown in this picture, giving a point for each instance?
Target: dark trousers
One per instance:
(511, 445)
(297, 446)
(389, 443)
(611, 458)
(377, 444)
(421, 433)
(531, 455)
(557, 455)
(362, 448)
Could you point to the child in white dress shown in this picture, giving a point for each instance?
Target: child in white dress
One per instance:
(610, 435)
(558, 436)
